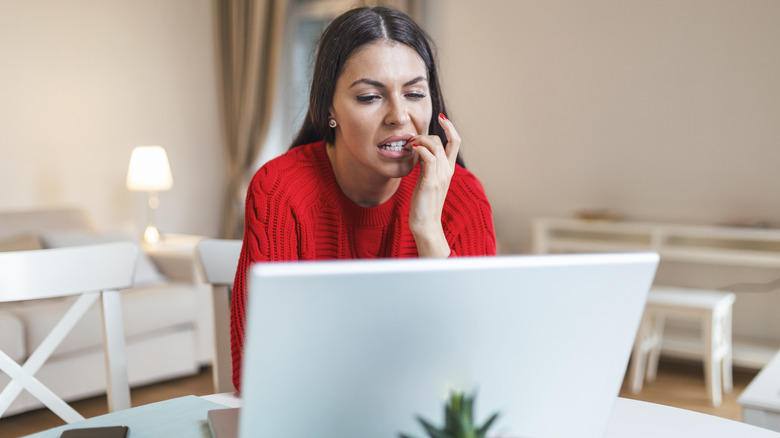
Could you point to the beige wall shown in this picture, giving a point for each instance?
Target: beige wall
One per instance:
(664, 109)
(84, 81)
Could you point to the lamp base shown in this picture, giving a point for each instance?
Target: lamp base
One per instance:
(151, 235)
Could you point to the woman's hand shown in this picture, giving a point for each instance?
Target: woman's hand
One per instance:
(437, 166)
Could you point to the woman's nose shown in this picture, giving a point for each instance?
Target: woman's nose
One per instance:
(397, 113)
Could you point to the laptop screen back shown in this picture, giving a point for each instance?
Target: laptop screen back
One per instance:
(360, 348)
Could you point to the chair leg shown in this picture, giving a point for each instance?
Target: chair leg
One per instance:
(639, 356)
(222, 370)
(637, 370)
(657, 335)
(118, 388)
(712, 366)
(21, 376)
(728, 381)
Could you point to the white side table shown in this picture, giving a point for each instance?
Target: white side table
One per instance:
(761, 399)
(711, 309)
(175, 257)
(182, 245)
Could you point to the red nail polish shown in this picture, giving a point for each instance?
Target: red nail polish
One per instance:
(443, 116)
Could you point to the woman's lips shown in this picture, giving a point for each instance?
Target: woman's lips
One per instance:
(394, 140)
(396, 149)
(394, 146)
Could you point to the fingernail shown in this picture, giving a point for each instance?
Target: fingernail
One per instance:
(443, 117)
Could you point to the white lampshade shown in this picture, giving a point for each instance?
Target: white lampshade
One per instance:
(149, 170)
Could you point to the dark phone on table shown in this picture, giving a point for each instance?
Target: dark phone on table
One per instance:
(97, 432)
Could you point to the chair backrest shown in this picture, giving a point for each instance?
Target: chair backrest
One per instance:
(218, 261)
(89, 272)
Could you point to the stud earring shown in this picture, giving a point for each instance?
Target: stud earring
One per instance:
(332, 123)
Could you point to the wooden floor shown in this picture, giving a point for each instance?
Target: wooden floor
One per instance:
(679, 384)
(42, 419)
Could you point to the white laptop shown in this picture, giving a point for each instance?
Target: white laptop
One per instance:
(357, 349)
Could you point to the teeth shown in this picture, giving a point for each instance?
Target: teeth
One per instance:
(394, 146)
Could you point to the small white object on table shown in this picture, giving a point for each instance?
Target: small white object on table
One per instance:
(227, 399)
(761, 399)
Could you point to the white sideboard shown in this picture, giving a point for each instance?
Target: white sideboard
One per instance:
(712, 245)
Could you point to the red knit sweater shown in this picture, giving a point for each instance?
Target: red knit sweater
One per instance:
(295, 210)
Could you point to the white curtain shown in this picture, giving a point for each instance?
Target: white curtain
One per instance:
(250, 40)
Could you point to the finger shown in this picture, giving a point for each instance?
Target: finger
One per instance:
(436, 155)
(431, 143)
(427, 156)
(453, 139)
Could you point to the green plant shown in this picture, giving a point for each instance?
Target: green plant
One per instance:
(458, 420)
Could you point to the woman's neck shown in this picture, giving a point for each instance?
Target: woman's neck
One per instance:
(362, 186)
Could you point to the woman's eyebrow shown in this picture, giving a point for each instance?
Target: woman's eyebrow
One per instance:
(369, 82)
(416, 80)
(381, 85)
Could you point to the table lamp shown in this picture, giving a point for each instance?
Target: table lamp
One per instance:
(149, 172)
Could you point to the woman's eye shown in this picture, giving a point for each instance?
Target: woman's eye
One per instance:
(367, 99)
(416, 96)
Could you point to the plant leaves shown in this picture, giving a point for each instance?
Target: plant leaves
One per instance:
(458, 419)
(482, 431)
(433, 431)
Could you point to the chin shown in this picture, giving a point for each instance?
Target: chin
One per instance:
(400, 170)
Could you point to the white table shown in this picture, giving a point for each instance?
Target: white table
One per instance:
(638, 419)
(185, 417)
(761, 399)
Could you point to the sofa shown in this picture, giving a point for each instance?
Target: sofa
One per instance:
(167, 313)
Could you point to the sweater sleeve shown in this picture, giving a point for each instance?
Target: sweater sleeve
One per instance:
(468, 217)
(269, 235)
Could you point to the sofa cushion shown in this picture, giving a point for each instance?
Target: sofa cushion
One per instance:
(11, 328)
(20, 242)
(145, 270)
(145, 310)
(12, 336)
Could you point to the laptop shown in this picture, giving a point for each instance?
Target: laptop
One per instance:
(356, 349)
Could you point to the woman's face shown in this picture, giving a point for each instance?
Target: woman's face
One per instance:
(381, 100)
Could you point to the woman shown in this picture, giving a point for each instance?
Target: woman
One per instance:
(368, 174)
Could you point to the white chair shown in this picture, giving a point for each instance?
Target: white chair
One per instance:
(711, 309)
(218, 261)
(90, 273)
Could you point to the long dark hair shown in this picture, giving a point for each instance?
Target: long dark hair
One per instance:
(344, 35)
